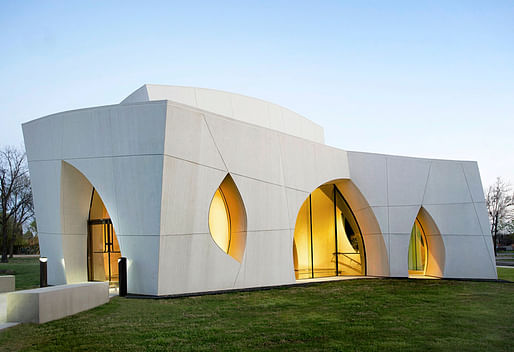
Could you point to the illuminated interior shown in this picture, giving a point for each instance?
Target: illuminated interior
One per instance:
(327, 239)
(219, 221)
(227, 219)
(417, 250)
(103, 249)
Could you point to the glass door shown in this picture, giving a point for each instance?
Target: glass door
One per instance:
(103, 252)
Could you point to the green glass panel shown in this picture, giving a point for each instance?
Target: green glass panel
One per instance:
(417, 249)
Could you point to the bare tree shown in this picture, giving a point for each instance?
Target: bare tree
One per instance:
(22, 195)
(499, 200)
(13, 194)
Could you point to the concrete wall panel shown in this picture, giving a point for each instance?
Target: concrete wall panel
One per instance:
(138, 194)
(194, 263)
(369, 174)
(76, 192)
(399, 254)
(473, 180)
(235, 106)
(483, 218)
(188, 137)
(43, 138)
(130, 188)
(377, 254)
(268, 259)
(138, 129)
(401, 219)
(98, 132)
(187, 193)
(295, 200)
(298, 159)
(99, 172)
(247, 150)
(455, 219)
(45, 178)
(331, 164)
(446, 184)
(142, 253)
(467, 257)
(265, 203)
(51, 246)
(406, 180)
(75, 257)
(373, 220)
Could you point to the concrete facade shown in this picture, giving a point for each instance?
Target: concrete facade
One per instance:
(157, 159)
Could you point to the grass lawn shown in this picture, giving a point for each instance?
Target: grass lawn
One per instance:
(506, 273)
(369, 314)
(25, 269)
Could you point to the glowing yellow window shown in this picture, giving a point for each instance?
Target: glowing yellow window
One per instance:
(417, 250)
(219, 221)
(227, 219)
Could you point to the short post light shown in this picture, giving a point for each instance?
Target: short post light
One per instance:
(43, 282)
(122, 270)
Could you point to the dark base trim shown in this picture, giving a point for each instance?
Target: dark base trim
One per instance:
(297, 284)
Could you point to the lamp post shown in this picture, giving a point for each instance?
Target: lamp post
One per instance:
(122, 270)
(43, 272)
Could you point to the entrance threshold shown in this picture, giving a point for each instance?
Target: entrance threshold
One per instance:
(333, 278)
(421, 276)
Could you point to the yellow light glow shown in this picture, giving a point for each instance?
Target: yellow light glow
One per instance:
(219, 221)
(327, 240)
(417, 250)
(227, 219)
(103, 246)
(302, 243)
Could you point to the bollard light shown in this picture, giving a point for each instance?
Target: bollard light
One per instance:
(122, 271)
(43, 272)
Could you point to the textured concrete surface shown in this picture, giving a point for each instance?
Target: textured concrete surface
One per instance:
(157, 159)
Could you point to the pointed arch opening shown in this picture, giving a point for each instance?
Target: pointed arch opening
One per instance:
(327, 238)
(227, 219)
(417, 250)
(426, 254)
(103, 248)
(82, 207)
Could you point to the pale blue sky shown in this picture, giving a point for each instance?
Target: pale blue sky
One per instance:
(418, 78)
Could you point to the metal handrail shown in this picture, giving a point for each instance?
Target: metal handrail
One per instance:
(345, 254)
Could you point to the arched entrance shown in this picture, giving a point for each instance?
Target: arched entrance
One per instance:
(426, 255)
(327, 239)
(103, 249)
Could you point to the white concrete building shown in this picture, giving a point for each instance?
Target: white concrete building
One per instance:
(205, 190)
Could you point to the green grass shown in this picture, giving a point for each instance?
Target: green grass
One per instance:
(355, 315)
(26, 271)
(506, 273)
(371, 314)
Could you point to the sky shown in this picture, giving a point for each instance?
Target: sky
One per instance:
(418, 78)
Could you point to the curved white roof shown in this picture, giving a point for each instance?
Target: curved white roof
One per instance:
(239, 107)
